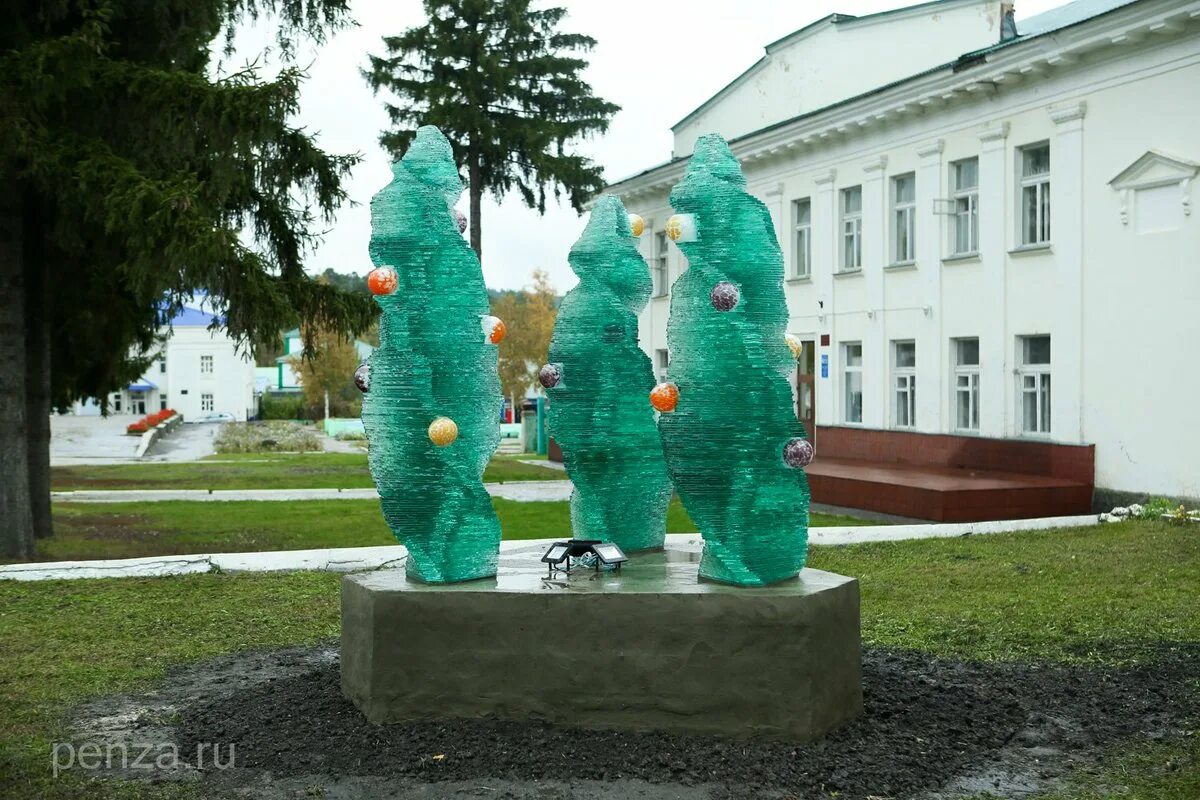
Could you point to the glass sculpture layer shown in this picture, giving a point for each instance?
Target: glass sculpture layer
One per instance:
(598, 380)
(433, 364)
(725, 440)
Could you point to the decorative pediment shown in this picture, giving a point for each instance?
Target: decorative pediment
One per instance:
(1156, 169)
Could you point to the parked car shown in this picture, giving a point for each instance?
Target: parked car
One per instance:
(219, 416)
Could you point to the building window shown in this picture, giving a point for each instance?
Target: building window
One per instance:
(851, 229)
(662, 359)
(852, 381)
(660, 264)
(206, 365)
(162, 364)
(117, 402)
(966, 206)
(904, 219)
(802, 214)
(1035, 194)
(206, 402)
(162, 402)
(904, 384)
(1033, 383)
(966, 383)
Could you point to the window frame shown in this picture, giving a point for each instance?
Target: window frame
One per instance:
(209, 400)
(660, 269)
(904, 384)
(1037, 185)
(970, 372)
(662, 362)
(802, 239)
(968, 195)
(850, 237)
(1034, 378)
(848, 370)
(906, 209)
(207, 364)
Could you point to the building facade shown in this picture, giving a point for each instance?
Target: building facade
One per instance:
(196, 371)
(999, 244)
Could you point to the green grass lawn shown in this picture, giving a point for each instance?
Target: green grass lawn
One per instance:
(127, 530)
(266, 471)
(1098, 595)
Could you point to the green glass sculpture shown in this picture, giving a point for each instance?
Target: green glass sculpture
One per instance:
(431, 402)
(597, 381)
(733, 445)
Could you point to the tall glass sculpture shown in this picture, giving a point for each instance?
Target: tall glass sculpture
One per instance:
(431, 400)
(733, 445)
(597, 381)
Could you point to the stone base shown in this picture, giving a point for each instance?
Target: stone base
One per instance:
(647, 648)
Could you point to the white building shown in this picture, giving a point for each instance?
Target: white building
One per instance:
(197, 372)
(985, 233)
(284, 377)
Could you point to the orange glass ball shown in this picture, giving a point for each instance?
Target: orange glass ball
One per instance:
(383, 280)
(665, 397)
(493, 329)
(443, 431)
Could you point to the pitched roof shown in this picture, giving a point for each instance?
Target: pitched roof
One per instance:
(1065, 16)
(193, 317)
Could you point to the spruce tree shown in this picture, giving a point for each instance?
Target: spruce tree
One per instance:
(733, 445)
(130, 175)
(503, 84)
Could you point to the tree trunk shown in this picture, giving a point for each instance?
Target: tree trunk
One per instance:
(37, 371)
(475, 188)
(16, 517)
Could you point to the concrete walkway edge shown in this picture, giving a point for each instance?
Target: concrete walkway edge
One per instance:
(523, 491)
(359, 559)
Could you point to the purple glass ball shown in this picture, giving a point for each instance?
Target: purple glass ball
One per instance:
(798, 452)
(724, 296)
(549, 375)
(461, 219)
(362, 377)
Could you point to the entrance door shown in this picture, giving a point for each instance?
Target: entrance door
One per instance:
(806, 389)
(137, 403)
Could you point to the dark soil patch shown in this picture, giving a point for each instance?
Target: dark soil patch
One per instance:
(929, 725)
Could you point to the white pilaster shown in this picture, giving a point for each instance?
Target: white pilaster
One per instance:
(876, 361)
(932, 351)
(824, 254)
(995, 377)
(1066, 236)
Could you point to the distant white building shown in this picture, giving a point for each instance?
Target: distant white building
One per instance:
(987, 234)
(283, 377)
(196, 372)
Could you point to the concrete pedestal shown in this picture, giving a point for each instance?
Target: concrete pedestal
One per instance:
(646, 648)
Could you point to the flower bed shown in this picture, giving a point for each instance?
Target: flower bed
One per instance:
(266, 437)
(149, 421)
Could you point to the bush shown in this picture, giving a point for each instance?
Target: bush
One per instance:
(266, 437)
(282, 406)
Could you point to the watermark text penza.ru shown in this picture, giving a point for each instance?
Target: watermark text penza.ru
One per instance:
(154, 756)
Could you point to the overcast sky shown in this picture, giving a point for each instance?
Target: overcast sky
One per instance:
(657, 60)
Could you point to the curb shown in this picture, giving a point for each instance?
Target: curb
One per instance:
(360, 559)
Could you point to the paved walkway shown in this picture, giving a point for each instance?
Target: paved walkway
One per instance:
(76, 440)
(521, 491)
(358, 559)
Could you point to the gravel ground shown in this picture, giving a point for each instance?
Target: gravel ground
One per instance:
(932, 729)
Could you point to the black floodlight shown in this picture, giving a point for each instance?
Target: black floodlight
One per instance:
(609, 554)
(559, 555)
